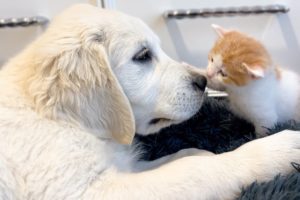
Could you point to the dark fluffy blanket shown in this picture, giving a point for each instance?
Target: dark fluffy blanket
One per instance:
(216, 129)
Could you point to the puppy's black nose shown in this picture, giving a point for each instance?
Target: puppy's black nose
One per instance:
(199, 83)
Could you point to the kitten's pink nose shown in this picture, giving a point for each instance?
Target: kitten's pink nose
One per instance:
(210, 72)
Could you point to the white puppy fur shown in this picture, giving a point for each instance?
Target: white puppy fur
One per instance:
(72, 100)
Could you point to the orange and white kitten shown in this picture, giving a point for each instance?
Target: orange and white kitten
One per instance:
(257, 90)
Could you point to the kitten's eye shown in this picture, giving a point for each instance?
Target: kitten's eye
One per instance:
(143, 55)
(212, 59)
(223, 73)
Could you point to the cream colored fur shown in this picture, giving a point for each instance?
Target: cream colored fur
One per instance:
(71, 102)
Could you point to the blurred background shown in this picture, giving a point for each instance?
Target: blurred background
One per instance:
(183, 26)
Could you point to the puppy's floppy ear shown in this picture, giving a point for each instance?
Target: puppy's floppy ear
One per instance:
(219, 30)
(77, 85)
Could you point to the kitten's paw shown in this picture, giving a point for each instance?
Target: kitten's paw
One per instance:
(215, 83)
(191, 152)
(264, 126)
(261, 131)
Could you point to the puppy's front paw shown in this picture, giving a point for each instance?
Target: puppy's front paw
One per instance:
(274, 154)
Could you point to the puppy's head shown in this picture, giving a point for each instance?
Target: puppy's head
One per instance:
(105, 72)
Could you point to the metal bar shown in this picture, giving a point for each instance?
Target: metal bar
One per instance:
(23, 22)
(214, 93)
(221, 12)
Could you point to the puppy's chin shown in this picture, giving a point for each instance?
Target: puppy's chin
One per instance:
(156, 124)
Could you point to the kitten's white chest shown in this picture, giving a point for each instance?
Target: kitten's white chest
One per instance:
(267, 101)
(256, 103)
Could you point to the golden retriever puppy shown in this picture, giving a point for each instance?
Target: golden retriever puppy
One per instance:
(72, 101)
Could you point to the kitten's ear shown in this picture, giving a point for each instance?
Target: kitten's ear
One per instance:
(219, 30)
(255, 71)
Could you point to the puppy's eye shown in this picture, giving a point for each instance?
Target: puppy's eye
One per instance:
(144, 55)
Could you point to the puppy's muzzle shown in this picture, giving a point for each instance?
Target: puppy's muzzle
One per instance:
(199, 83)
